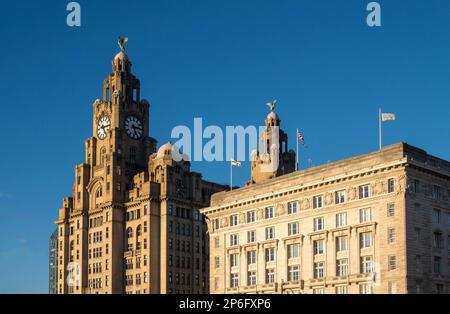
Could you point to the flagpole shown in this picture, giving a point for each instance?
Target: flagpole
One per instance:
(231, 176)
(379, 128)
(296, 161)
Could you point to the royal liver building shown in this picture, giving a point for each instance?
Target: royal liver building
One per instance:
(132, 224)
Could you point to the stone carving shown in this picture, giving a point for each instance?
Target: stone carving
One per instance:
(401, 184)
(351, 193)
(224, 222)
(281, 210)
(260, 214)
(242, 218)
(306, 204)
(378, 187)
(328, 198)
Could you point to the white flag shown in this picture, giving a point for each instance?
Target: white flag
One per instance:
(387, 116)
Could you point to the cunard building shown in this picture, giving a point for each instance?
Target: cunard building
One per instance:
(132, 224)
(376, 223)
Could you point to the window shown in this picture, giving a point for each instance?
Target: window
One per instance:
(439, 288)
(318, 224)
(366, 264)
(251, 236)
(392, 262)
(340, 197)
(319, 270)
(391, 210)
(436, 192)
(391, 235)
(251, 216)
(292, 207)
(270, 254)
(437, 265)
(234, 280)
(293, 250)
(341, 243)
(438, 240)
(365, 239)
(233, 220)
(234, 239)
(392, 287)
(365, 215)
(364, 191)
(270, 233)
(436, 216)
(234, 260)
(341, 289)
(416, 186)
(270, 276)
(391, 185)
(251, 257)
(365, 288)
(294, 273)
(269, 213)
(251, 278)
(216, 262)
(341, 267)
(341, 220)
(318, 247)
(293, 228)
(318, 291)
(317, 201)
(448, 245)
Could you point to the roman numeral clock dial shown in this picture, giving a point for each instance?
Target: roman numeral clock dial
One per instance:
(103, 127)
(134, 127)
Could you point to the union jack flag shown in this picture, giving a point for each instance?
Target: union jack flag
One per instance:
(300, 137)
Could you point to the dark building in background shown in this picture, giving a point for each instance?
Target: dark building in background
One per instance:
(53, 256)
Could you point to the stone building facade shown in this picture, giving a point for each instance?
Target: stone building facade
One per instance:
(132, 224)
(376, 223)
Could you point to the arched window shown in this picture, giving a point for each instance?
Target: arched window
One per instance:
(99, 192)
(138, 231)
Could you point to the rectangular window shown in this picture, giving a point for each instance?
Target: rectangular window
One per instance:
(270, 233)
(216, 262)
(436, 216)
(366, 264)
(251, 278)
(251, 236)
(391, 235)
(365, 288)
(234, 280)
(319, 270)
(365, 240)
(270, 276)
(251, 257)
(318, 224)
(392, 262)
(391, 210)
(270, 254)
(438, 240)
(293, 228)
(391, 185)
(251, 216)
(436, 192)
(293, 250)
(341, 289)
(234, 260)
(317, 201)
(318, 247)
(233, 220)
(341, 267)
(341, 243)
(341, 220)
(437, 265)
(392, 287)
(234, 239)
(294, 273)
(364, 191)
(365, 215)
(340, 197)
(292, 207)
(269, 213)
(318, 291)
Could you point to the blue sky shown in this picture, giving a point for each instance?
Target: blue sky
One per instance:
(216, 59)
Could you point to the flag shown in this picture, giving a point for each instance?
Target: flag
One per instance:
(235, 163)
(300, 137)
(387, 116)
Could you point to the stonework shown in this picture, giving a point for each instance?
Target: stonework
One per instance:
(376, 223)
(132, 224)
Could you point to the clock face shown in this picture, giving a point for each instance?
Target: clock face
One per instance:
(134, 127)
(103, 127)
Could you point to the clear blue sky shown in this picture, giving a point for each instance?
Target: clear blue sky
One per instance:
(220, 60)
